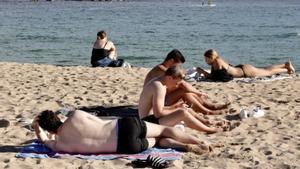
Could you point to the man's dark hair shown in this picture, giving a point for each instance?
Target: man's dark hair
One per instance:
(101, 34)
(49, 121)
(176, 55)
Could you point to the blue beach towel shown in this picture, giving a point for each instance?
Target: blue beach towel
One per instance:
(38, 150)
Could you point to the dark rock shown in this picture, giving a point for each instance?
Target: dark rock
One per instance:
(4, 123)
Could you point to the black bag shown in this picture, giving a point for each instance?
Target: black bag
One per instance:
(220, 76)
(116, 63)
(120, 111)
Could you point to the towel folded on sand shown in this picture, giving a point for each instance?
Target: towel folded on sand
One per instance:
(38, 150)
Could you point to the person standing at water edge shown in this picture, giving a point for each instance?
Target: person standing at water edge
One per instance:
(104, 51)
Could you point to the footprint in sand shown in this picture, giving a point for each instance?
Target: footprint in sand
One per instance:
(268, 153)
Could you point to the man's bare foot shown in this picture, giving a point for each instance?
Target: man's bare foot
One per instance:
(290, 67)
(214, 130)
(199, 149)
(203, 119)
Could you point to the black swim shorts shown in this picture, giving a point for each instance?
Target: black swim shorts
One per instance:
(131, 135)
(151, 119)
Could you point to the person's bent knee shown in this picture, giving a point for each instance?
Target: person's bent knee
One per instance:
(186, 96)
(184, 113)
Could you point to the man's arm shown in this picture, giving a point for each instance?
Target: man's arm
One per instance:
(202, 71)
(158, 102)
(42, 136)
(112, 51)
(189, 88)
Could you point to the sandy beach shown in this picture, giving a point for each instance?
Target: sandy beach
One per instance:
(271, 141)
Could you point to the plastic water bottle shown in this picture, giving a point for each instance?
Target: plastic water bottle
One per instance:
(180, 126)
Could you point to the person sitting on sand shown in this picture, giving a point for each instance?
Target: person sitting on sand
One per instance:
(104, 51)
(221, 70)
(184, 91)
(152, 106)
(84, 133)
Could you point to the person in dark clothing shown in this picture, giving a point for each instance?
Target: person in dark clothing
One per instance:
(104, 51)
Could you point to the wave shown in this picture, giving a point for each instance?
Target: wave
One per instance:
(287, 35)
(40, 37)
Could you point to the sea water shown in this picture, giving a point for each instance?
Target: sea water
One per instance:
(259, 32)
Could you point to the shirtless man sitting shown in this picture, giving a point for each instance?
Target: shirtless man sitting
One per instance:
(85, 133)
(184, 90)
(152, 106)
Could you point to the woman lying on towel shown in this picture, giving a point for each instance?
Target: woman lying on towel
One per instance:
(222, 71)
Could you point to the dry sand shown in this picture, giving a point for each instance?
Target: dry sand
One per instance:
(272, 141)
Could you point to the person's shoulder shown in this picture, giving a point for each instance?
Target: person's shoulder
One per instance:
(110, 43)
(161, 67)
(153, 82)
(219, 62)
(78, 113)
(158, 70)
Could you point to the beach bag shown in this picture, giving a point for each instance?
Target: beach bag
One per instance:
(120, 111)
(221, 76)
(116, 63)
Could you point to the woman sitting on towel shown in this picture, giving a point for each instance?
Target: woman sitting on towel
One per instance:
(104, 51)
(222, 71)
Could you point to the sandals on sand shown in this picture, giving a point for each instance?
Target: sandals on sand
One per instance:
(151, 161)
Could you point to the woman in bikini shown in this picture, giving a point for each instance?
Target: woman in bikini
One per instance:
(221, 68)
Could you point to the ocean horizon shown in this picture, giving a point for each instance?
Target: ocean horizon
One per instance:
(260, 33)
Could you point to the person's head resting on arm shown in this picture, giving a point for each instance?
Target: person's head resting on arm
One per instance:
(49, 121)
(210, 56)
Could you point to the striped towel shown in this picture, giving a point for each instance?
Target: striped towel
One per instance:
(38, 150)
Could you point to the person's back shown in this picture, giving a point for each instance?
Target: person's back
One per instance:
(146, 98)
(86, 133)
(155, 72)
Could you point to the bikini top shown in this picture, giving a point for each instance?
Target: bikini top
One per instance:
(98, 54)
